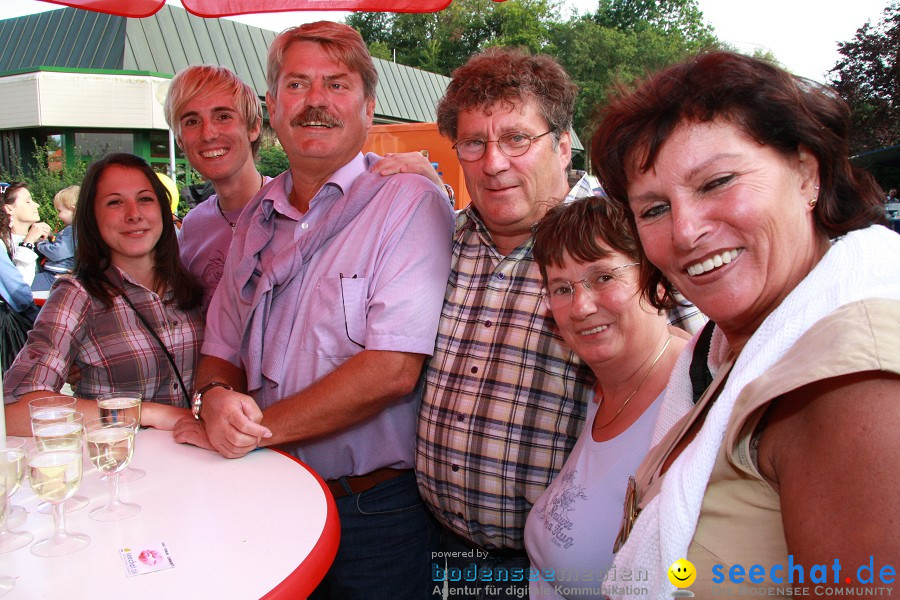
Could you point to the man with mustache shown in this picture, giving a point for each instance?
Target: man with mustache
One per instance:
(504, 397)
(328, 306)
(217, 120)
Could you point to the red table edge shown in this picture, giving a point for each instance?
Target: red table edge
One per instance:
(309, 573)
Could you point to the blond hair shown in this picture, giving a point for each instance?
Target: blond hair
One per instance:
(203, 80)
(67, 196)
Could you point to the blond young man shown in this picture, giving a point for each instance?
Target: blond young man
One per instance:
(217, 120)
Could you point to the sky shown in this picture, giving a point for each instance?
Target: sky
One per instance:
(802, 34)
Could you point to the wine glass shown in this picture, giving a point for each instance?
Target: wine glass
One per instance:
(52, 408)
(15, 514)
(12, 470)
(55, 474)
(6, 583)
(110, 442)
(53, 428)
(123, 404)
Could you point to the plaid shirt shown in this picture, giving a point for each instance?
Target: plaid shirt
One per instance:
(110, 346)
(504, 400)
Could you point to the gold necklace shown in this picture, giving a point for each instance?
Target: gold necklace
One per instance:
(643, 379)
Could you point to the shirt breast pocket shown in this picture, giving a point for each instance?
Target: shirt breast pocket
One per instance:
(336, 317)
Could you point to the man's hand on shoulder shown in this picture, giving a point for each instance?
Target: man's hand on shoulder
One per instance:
(231, 421)
(408, 162)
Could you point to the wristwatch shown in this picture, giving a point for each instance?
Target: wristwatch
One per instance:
(197, 401)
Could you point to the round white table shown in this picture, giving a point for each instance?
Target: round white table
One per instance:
(264, 525)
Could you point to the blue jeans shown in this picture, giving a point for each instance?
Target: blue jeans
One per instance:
(385, 536)
(459, 570)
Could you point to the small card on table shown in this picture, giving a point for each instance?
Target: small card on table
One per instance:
(146, 559)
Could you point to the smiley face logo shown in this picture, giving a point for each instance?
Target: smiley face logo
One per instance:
(682, 573)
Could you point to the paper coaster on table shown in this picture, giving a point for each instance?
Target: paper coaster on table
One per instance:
(146, 559)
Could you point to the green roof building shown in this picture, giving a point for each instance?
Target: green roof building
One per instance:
(95, 82)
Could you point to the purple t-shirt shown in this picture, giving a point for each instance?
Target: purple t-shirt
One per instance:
(204, 242)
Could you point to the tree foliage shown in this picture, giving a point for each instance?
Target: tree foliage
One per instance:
(44, 181)
(439, 42)
(867, 77)
(271, 160)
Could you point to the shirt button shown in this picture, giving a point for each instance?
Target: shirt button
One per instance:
(501, 276)
(460, 515)
(455, 468)
(487, 323)
(460, 417)
(304, 225)
(474, 369)
(174, 386)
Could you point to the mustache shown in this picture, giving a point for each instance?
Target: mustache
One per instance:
(314, 114)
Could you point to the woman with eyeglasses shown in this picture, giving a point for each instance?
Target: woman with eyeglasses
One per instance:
(591, 271)
(129, 318)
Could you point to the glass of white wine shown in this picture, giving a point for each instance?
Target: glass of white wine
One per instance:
(12, 469)
(55, 474)
(123, 404)
(51, 408)
(48, 409)
(54, 430)
(7, 583)
(110, 442)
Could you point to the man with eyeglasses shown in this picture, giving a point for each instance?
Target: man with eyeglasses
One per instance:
(327, 308)
(504, 397)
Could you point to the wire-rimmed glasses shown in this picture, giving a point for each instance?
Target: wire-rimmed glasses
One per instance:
(597, 280)
(512, 144)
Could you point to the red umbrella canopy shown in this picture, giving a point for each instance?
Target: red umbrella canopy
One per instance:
(225, 8)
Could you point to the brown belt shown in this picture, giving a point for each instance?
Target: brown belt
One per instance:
(362, 483)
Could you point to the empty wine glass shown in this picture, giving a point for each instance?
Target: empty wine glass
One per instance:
(6, 582)
(123, 404)
(55, 474)
(53, 428)
(12, 470)
(110, 442)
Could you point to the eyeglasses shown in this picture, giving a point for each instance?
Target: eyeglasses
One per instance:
(597, 281)
(344, 306)
(511, 144)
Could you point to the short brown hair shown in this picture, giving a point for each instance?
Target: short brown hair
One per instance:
(773, 107)
(203, 80)
(509, 76)
(584, 229)
(340, 42)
